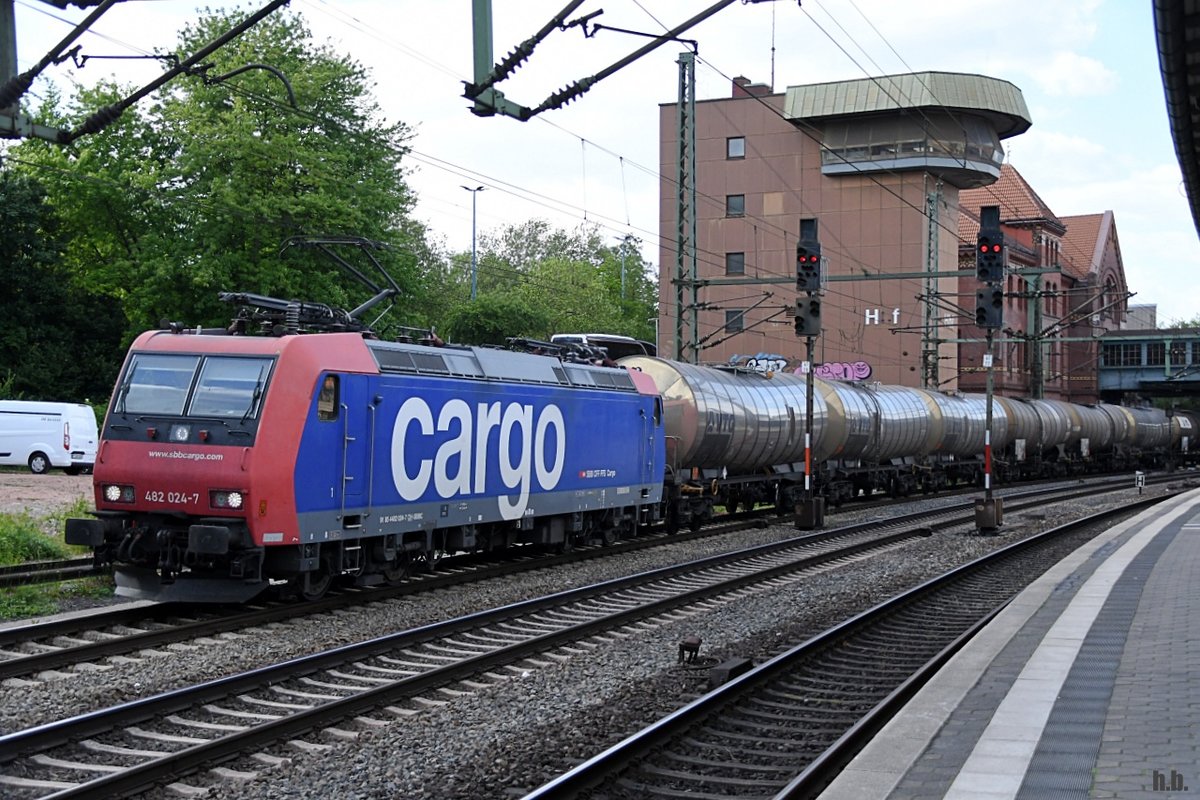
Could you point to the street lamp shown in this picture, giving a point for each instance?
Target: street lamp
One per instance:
(473, 192)
(624, 240)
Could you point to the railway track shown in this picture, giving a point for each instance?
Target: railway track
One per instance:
(129, 747)
(136, 745)
(64, 643)
(47, 571)
(34, 572)
(786, 727)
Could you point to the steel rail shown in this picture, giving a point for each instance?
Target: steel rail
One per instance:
(262, 615)
(615, 760)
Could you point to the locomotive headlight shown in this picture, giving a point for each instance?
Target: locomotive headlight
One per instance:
(227, 499)
(116, 493)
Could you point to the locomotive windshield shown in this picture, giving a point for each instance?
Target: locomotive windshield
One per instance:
(225, 387)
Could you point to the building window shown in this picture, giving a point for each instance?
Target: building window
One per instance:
(735, 205)
(1122, 355)
(735, 147)
(735, 263)
(1156, 354)
(734, 320)
(1178, 354)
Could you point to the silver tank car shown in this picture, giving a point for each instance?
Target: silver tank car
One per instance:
(880, 423)
(1096, 431)
(1183, 432)
(737, 419)
(911, 422)
(1151, 429)
(743, 421)
(1059, 425)
(1024, 425)
(964, 424)
(1122, 421)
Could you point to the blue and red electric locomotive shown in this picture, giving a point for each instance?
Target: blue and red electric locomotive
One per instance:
(229, 462)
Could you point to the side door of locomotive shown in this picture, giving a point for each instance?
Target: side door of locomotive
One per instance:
(344, 401)
(651, 425)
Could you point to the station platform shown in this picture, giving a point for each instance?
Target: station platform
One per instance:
(1087, 685)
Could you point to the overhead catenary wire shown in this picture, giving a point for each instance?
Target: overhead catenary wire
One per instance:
(710, 258)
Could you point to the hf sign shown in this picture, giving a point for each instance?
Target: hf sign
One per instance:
(872, 316)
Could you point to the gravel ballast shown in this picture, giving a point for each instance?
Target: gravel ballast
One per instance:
(523, 730)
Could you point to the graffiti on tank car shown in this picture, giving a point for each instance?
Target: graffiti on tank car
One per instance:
(718, 422)
(458, 462)
(842, 371)
(760, 362)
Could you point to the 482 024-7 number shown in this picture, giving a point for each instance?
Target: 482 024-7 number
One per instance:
(155, 496)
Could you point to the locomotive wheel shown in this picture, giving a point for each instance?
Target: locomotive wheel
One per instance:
(395, 572)
(313, 585)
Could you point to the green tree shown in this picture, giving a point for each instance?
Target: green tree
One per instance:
(193, 193)
(492, 318)
(59, 341)
(572, 278)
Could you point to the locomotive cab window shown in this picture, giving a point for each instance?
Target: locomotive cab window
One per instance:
(327, 399)
(230, 387)
(174, 385)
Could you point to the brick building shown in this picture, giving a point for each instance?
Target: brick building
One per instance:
(894, 170)
(879, 163)
(1073, 291)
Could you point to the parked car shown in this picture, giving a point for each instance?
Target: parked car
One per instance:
(43, 436)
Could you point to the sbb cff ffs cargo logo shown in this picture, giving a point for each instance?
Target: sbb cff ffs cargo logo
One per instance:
(453, 453)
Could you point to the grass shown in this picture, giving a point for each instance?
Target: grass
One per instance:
(24, 537)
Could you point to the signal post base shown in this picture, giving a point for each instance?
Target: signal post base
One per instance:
(810, 514)
(989, 513)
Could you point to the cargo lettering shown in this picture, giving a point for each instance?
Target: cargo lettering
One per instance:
(461, 463)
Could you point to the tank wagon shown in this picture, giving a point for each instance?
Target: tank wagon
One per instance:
(230, 463)
(735, 437)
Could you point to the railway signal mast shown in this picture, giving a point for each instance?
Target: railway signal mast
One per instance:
(990, 257)
(810, 512)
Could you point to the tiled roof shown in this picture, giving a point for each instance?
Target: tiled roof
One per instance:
(1017, 200)
(1083, 245)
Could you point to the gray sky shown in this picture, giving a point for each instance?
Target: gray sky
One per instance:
(1088, 69)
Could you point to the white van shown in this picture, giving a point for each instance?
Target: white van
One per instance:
(45, 435)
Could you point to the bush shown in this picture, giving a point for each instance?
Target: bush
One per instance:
(22, 539)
